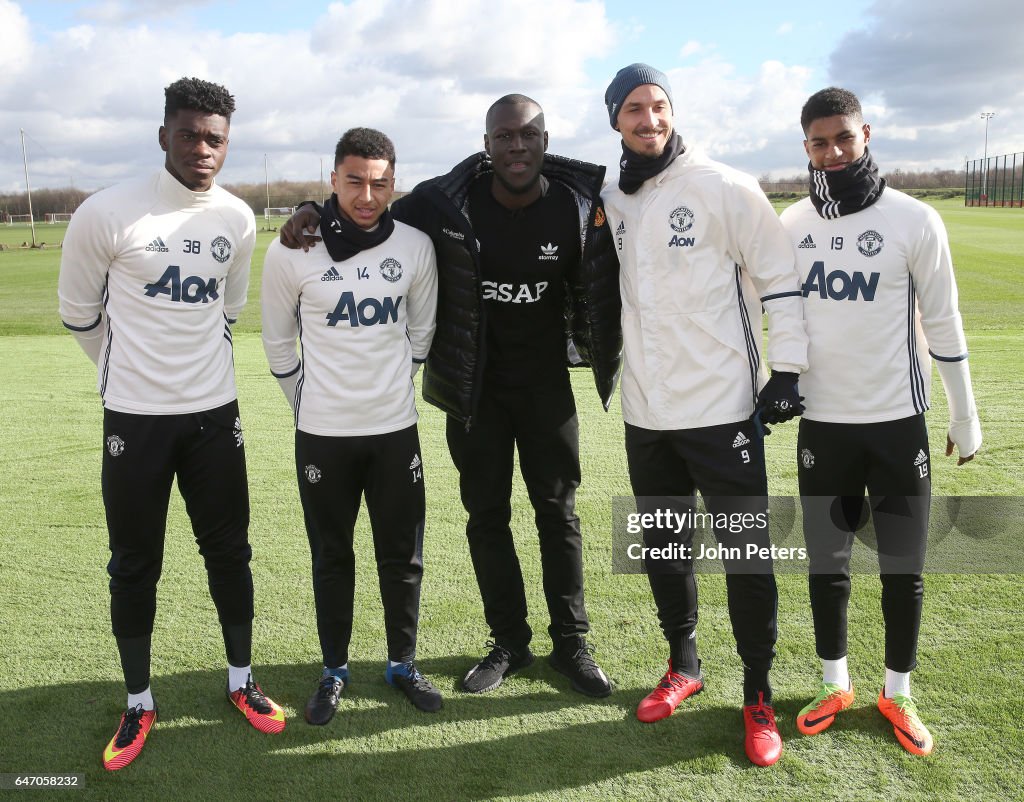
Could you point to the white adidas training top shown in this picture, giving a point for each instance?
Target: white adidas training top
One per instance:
(158, 271)
(879, 292)
(701, 249)
(360, 324)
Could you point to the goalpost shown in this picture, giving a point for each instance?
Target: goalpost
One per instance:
(58, 217)
(19, 219)
(278, 211)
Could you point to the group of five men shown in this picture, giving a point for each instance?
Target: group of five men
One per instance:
(481, 273)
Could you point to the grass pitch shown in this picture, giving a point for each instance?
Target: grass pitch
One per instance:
(60, 684)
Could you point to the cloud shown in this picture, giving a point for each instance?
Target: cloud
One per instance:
(934, 65)
(90, 96)
(691, 48)
(15, 42)
(424, 72)
(120, 12)
(784, 28)
(750, 122)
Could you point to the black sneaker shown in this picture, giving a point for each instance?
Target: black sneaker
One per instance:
(499, 663)
(573, 657)
(321, 705)
(407, 678)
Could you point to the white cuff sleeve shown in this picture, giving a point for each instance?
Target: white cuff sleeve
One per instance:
(91, 342)
(288, 386)
(964, 426)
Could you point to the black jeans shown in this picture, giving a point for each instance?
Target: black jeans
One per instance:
(665, 468)
(541, 422)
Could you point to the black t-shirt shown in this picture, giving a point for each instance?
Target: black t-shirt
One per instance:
(525, 255)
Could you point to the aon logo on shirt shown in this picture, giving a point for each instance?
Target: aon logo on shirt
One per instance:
(840, 285)
(193, 290)
(368, 312)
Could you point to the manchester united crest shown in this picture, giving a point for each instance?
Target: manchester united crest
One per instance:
(681, 219)
(221, 249)
(391, 269)
(806, 458)
(312, 474)
(115, 445)
(870, 243)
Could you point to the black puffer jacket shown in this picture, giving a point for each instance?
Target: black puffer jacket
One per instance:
(439, 207)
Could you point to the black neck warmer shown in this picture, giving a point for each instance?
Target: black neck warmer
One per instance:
(635, 169)
(843, 192)
(344, 239)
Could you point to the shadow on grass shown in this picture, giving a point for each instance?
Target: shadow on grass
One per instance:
(533, 736)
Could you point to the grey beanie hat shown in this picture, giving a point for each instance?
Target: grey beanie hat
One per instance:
(629, 78)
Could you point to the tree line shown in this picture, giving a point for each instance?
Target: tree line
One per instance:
(291, 193)
(898, 179)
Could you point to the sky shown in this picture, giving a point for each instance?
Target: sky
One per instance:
(85, 79)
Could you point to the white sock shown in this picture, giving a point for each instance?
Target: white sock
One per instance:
(392, 663)
(896, 682)
(145, 699)
(237, 677)
(836, 672)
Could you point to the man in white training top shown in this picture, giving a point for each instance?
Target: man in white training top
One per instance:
(363, 314)
(152, 273)
(879, 297)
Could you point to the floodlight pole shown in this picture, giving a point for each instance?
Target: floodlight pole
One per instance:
(28, 188)
(986, 116)
(323, 199)
(266, 177)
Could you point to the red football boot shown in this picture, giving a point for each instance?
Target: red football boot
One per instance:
(763, 742)
(672, 689)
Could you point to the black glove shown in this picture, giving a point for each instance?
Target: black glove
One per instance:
(779, 400)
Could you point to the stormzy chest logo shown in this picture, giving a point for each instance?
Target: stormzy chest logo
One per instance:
(681, 219)
(870, 243)
(548, 252)
(221, 249)
(391, 269)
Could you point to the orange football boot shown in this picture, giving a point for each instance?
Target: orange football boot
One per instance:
(129, 739)
(261, 711)
(819, 714)
(910, 732)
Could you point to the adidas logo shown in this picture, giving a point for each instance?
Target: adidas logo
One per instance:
(548, 251)
(622, 228)
(331, 274)
(415, 462)
(921, 457)
(807, 242)
(741, 440)
(158, 246)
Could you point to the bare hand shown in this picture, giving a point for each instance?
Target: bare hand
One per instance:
(949, 453)
(300, 229)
